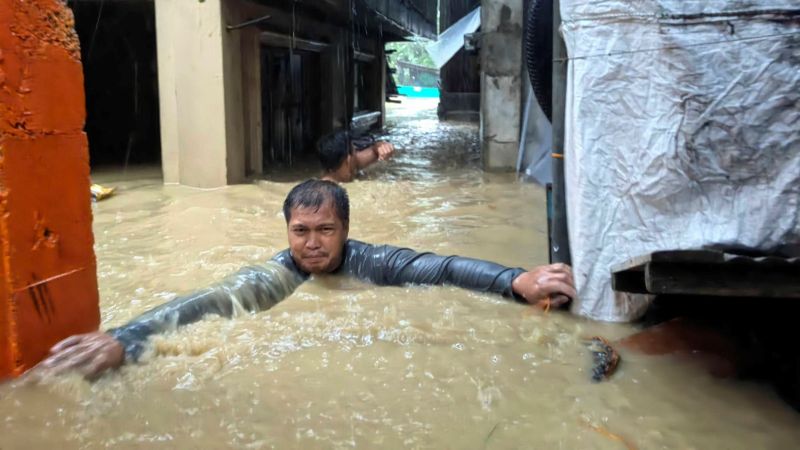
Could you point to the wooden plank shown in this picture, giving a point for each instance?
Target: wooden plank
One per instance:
(251, 102)
(679, 256)
(729, 280)
(689, 256)
(273, 39)
(363, 57)
(631, 281)
(636, 263)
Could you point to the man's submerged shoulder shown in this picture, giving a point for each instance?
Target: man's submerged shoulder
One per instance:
(281, 255)
(355, 244)
(354, 247)
(359, 251)
(284, 258)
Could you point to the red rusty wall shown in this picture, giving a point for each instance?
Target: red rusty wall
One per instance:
(48, 287)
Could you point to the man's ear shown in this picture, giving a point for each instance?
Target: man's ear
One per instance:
(346, 229)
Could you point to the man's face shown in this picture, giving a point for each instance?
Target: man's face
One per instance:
(316, 238)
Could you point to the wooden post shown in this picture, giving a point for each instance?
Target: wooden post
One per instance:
(379, 68)
(251, 99)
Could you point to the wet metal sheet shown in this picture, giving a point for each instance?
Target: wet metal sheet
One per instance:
(452, 39)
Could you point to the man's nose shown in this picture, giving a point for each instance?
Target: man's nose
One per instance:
(313, 242)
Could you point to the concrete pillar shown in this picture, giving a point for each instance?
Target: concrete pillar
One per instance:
(200, 77)
(501, 82)
(48, 285)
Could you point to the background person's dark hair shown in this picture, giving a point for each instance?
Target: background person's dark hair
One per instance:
(314, 193)
(333, 148)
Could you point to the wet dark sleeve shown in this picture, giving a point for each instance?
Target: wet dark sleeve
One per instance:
(393, 266)
(254, 288)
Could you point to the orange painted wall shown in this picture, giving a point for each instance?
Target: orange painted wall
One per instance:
(48, 285)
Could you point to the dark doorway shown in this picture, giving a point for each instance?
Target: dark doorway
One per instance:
(118, 50)
(290, 89)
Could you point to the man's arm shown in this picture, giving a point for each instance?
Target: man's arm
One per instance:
(251, 289)
(254, 288)
(388, 265)
(379, 151)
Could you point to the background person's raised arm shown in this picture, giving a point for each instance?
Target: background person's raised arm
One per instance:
(379, 151)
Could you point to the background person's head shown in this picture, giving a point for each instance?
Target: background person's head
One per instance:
(317, 216)
(335, 152)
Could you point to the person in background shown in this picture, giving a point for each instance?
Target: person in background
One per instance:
(342, 157)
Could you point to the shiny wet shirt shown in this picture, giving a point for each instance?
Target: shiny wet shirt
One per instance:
(257, 288)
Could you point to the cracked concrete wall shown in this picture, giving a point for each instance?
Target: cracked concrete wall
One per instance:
(501, 82)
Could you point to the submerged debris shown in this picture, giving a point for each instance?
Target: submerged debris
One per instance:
(101, 192)
(604, 358)
(605, 432)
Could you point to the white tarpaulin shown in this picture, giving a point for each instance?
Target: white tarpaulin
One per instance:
(682, 130)
(451, 41)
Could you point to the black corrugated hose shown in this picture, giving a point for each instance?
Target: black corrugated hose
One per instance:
(538, 51)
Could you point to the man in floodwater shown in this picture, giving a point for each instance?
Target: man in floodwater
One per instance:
(317, 216)
(343, 157)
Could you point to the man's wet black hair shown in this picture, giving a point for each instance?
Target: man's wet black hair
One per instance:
(333, 149)
(314, 193)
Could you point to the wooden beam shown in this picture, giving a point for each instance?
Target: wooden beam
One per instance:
(272, 39)
(708, 273)
(726, 280)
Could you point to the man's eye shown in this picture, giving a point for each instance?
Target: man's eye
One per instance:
(328, 230)
(300, 231)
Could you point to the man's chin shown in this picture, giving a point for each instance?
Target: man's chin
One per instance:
(315, 267)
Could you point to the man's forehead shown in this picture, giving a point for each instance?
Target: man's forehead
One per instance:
(323, 213)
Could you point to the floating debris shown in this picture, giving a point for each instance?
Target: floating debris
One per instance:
(605, 432)
(101, 192)
(604, 358)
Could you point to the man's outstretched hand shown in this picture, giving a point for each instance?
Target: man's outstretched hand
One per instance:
(88, 354)
(554, 282)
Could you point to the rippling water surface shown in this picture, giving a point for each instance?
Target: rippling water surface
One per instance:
(342, 364)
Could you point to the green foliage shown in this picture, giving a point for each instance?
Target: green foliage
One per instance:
(413, 52)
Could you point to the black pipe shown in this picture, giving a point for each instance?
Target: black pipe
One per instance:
(538, 42)
(545, 56)
(559, 239)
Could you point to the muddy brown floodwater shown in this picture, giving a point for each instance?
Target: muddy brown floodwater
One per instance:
(342, 364)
